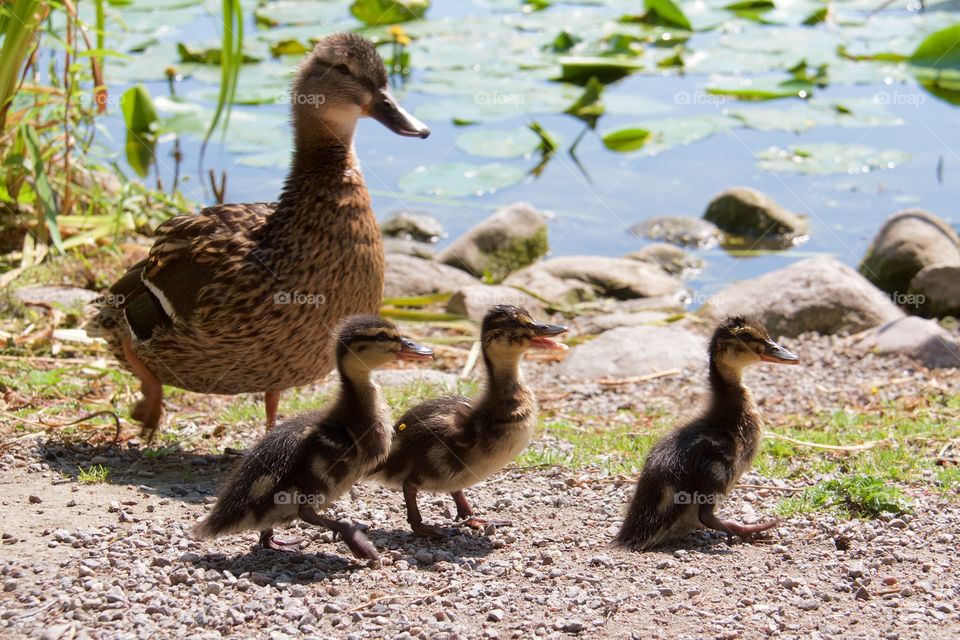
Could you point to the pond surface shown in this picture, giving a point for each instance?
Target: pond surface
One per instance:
(491, 63)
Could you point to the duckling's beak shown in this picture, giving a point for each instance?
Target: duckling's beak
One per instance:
(385, 110)
(410, 350)
(776, 353)
(542, 337)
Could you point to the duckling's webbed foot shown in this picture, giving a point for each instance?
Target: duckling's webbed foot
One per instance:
(465, 513)
(743, 531)
(267, 541)
(416, 520)
(351, 535)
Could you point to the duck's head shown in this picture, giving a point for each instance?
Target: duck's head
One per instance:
(342, 80)
(369, 342)
(507, 331)
(739, 342)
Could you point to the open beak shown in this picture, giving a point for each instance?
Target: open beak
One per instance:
(410, 350)
(385, 110)
(776, 353)
(543, 337)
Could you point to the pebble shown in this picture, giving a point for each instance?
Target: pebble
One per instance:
(35, 499)
(423, 557)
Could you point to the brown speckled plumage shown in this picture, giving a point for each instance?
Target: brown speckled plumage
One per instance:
(689, 472)
(243, 297)
(448, 444)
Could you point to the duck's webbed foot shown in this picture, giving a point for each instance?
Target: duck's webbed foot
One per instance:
(733, 529)
(267, 541)
(416, 520)
(351, 535)
(465, 513)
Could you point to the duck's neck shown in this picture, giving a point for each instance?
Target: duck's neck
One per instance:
(506, 387)
(359, 401)
(730, 400)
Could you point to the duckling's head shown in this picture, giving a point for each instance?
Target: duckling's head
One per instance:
(507, 331)
(739, 342)
(341, 81)
(368, 342)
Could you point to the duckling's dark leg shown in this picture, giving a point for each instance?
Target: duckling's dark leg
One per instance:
(267, 541)
(465, 513)
(414, 517)
(743, 531)
(149, 409)
(358, 543)
(272, 400)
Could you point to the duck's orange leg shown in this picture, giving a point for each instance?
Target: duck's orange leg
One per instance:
(149, 409)
(272, 400)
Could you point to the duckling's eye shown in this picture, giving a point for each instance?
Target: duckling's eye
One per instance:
(381, 337)
(343, 69)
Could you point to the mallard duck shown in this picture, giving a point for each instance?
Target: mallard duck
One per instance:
(450, 443)
(310, 460)
(242, 297)
(691, 470)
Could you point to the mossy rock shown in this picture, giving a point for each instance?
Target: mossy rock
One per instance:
(742, 211)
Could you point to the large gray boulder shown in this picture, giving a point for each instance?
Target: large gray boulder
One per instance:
(635, 351)
(579, 277)
(743, 211)
(409, 276)
(935, 291)
(510, 239)
(923, 340)
(474, 300)
(408, 247)
(816, 294)
(908, 241)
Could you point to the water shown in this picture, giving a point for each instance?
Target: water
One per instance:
(595, 197)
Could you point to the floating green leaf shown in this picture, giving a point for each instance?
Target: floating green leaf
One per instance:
(580, 69)
(457, 179)
(207, 54)
(499, 143)
(626, 139)
(379, 12)
(758, 90)
(665, 12)
(588, 106)
(936, 64)
(139, 113)
(824, 158)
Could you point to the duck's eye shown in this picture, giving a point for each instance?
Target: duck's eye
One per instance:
(381, 337)
(343, 69)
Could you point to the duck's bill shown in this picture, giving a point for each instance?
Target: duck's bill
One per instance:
(385, 110)
(776, 353)
(543, 339)
(410, 350)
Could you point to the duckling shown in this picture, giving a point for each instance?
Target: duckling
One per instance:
(448, 444)
(689, 472)
(311, 459)
(213, 307)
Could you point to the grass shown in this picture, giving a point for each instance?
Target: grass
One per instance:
(97, 474)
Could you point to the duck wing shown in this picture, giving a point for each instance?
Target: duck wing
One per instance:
(188, 254)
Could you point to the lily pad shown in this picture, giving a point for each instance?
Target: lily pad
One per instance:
(375, 12)
(580, 69)
(458, 179)
(626, 139)
(827, 157)
(499, 143)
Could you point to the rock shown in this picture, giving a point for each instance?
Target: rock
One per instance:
(550, 287)
(423, 557)
(510, 239)
(635, 351)
(670, 258)
(935, 291)
(56, 295)
(35, 499)
(495, 615)
(409, 276)
(908, 241)
(412, 226)
(473, 301)
(743, 211)
(408, 248)
(921, 339)
(619, 278)
(600, 323)
(816, 294)
(685, 231)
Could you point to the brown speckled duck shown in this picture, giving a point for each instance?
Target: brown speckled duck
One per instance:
(243, 297)
(690, 471)
(451, 443)
(310, 460)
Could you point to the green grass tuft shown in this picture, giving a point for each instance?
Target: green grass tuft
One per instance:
(858, 496)
(97, 474)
